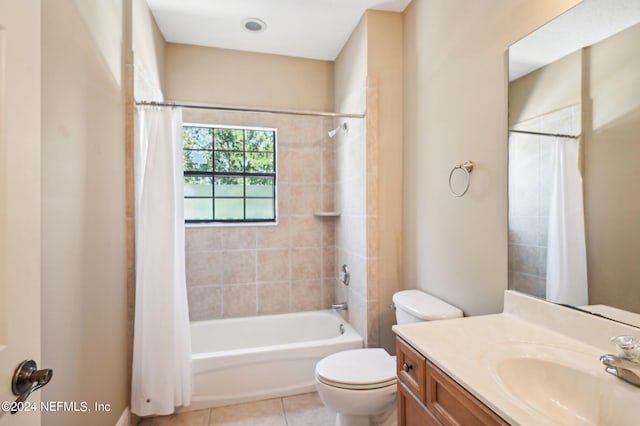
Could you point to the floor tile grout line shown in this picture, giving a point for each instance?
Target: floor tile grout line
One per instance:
(284, 411)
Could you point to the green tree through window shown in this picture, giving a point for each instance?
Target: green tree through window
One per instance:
(229, 174)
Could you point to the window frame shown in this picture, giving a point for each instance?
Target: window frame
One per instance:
(213, 174)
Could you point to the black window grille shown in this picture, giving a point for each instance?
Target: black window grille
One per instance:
(229, 174)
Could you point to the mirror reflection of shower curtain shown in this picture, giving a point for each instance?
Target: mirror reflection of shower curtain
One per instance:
(161, 371)
(566, 246)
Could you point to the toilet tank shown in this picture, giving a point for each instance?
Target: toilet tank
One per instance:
(417, 306)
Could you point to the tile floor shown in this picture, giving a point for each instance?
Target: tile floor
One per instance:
(298, 410)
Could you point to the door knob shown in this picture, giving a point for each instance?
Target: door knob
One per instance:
(28, 378)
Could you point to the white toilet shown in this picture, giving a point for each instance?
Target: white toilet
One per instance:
(360, 384)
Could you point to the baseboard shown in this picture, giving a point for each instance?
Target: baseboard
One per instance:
(125, 418)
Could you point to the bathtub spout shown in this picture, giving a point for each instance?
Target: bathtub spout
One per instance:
(339, 307)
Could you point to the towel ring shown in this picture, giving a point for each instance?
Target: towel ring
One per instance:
(467, 168)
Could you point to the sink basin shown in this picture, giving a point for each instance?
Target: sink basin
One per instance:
(564, 386)
(566, 395)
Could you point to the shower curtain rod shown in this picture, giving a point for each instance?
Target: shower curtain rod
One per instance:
(246, 109)
(555, 135)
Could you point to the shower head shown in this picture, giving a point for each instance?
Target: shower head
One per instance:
(343, 126)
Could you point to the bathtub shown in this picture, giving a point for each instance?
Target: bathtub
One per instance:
(247, 359)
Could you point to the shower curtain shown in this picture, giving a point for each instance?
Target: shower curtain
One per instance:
(566, 246)
(161, 372)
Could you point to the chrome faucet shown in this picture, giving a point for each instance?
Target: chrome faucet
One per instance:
(622, 368)
(625, 365)
(339, 307)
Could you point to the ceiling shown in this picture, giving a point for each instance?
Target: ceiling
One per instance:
(316, 29)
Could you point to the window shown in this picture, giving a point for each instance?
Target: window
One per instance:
(229, 174)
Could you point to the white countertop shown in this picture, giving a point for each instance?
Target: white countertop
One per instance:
(468, 349)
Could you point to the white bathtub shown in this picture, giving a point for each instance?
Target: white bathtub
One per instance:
(247, 359)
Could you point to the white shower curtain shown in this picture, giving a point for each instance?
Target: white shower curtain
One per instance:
(566, 246)
(161, 373)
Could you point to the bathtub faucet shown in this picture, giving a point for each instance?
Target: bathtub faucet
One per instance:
(339, 307)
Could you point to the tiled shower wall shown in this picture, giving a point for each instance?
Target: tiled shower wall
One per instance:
(351, 230)
(245, 270)
(357, 230)
(529, 194)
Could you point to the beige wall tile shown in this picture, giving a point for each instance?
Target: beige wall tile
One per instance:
(284, 162)
(239, 300)
(238, 237)
(329, 232)
(306, 166)
(204, 303)
(373, 278)
(238, 266)
(328, 197)
(329, 269)
(328, 293)
(306, 295)
(373, 335)
(201, 239)
(306, 231)
(284, 201)
(329, 164)
(274, 265)
(305, 198)
(306, 263)
(274, 298)
(204, 268)
(276, 236)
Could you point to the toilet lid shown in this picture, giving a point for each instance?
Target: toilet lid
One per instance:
(424, 306)
(358, 369)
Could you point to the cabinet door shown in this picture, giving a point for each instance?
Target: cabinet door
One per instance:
(453, 405)
(412, 412)
(411, 369)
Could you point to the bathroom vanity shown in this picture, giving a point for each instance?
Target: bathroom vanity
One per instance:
(427, 396)
(534, 364)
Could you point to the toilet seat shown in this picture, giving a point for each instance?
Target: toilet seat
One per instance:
(358, 369)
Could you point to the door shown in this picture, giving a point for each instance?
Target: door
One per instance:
(19, 198)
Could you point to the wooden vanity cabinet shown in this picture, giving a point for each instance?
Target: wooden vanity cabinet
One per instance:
(427, 396)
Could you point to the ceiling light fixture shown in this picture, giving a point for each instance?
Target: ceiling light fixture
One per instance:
(254, 25)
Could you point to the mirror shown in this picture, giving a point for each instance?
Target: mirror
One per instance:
(574, 137)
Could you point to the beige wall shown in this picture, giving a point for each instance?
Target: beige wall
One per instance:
(234, 78)
(384, 183)
(83, 231)
(148, 53)
(611, 179)
(455, 109)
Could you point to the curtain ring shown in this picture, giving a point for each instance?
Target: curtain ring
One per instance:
(466, 167)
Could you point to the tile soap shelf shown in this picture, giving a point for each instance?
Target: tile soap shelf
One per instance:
(326, 214)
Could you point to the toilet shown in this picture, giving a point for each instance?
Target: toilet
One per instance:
(360, 384)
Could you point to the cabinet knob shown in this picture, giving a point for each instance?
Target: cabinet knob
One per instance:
(407, 367)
